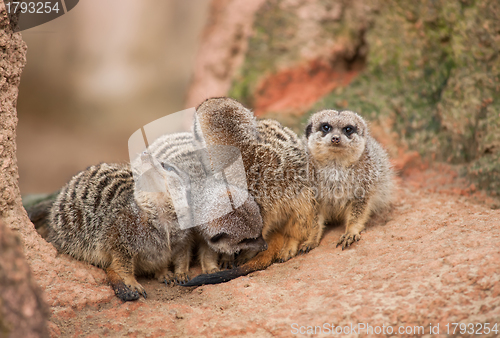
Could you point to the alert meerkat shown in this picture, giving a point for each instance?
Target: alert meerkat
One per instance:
(100, 217)
(352, 171)
(278, 175)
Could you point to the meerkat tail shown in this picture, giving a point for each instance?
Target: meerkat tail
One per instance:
(38, 209)
(260, 262)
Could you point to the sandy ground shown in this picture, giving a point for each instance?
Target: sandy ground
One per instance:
(433, 260)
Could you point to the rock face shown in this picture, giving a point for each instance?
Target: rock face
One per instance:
(22, 309)
(222, 49)
(23, 312)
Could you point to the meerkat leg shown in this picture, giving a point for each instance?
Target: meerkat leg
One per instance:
(314, 234)
(289, 250)
(226, 261)
(208, 258)
(263, 259)
(244, 256)
(295, 234)
(181, 266)
(303, 233)
(121, 277)
(180, 261)
(355, 223)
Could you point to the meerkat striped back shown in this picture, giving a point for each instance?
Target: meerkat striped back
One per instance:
(273, 132)
(90, 199)
(94, 197)
(285, 142)
(173, 146)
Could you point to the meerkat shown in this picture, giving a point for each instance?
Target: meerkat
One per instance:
(352, 171)
(213, 240)
(278, 175)
(100, 217)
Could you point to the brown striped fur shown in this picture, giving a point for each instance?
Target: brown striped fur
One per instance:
(100, 218)
(278, 175)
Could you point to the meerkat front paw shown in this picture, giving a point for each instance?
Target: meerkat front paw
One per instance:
(306, 247)
(138, 289)
(243, 257)
(125, 293)
(347, 239)
(214, 270)
(181, 278)
(135, 287)
(166, 277)
(226, 262)
(126, 286)
(289, 250)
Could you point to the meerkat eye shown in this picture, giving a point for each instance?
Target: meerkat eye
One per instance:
(167, 167)
(349, 130)
(325, 127)
(219, 237)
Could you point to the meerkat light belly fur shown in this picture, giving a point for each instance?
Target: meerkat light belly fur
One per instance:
(353, 174)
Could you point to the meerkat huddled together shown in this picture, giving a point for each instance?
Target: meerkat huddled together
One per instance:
(337, 172)
(277, 172)
(100, 217)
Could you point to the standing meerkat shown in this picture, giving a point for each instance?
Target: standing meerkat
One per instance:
(278, 172)
(352, 171)
(100, 217)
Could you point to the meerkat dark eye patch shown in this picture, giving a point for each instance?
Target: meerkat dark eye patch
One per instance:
(349, 130)
(248, 241)
(168, 167)
(219, 237)
(309, 130)
(325, 128)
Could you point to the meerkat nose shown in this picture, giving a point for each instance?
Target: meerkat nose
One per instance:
(336, 139)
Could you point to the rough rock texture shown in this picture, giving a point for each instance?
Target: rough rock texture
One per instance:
(222, 48)
(431, 68)
(300, 51)
(434, 260)
(22, 310)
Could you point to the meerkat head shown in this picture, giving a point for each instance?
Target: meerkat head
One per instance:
(334, 136)
(224, 121)
(240, 229)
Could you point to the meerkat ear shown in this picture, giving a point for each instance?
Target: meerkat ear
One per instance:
(309, 129)
(199, 140)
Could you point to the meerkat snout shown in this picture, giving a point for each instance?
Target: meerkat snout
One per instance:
(241, 229)
(335, 139)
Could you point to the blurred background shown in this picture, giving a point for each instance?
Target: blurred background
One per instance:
(425, 74)
(96, 75)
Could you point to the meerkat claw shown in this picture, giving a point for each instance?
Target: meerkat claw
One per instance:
(126, 294)
(347, 240)
(305, 249)
(226, 264)
(181, 279)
